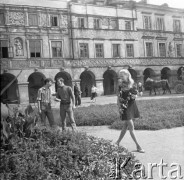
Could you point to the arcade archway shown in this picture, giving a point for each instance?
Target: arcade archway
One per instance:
(148, 73)
(179, 74)
(87, 80)
(11, 95)
(66, 76)
(36, 81)
(165, 73)
(109, 82)
(133, 74)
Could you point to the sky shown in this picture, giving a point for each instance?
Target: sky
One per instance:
(171, 3)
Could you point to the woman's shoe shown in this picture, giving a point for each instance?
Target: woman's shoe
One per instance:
(140, 150)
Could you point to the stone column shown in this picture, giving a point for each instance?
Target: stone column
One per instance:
(26, 18)
(173, 78)
(53, 95)
(23, 92)
(7, 16)
(52, 88)
(99, 85)
(140, 78)
(75, 81)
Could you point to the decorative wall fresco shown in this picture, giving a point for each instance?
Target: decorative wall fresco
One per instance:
(43, 21)
(16, 18)
(19, 64)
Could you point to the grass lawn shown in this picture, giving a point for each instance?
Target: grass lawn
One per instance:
(155, 115)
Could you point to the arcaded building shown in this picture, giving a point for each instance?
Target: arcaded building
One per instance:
(87, 42)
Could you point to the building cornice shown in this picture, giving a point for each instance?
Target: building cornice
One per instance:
(46, 63)
(104, 6)
(102, 16)
(156, 31)
(41, 8)
(157, 7)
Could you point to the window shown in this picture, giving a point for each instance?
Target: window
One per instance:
(54, 20)
(177, 25)
(33, 20)
(178, 50)
(162, 49)
(56, 49)
(147, 22)
(149, 49)
(99, 50)
(97, 24)
(130, 50)
(127, 25)
(84, 50)
(3, 49)
(2, 19)
(81, 22)
(116, 50)
(113, 24)
(35, 48)
(160, 23)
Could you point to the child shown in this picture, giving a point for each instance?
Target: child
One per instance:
(127, 106)
(93, 93)
(140, 88)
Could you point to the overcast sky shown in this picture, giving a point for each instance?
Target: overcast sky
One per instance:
(171, 3)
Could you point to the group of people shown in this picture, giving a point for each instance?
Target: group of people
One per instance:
(126, 95)
(64, 95)
(67, 98)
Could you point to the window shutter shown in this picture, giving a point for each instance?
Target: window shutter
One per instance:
(79, 22)
(182, 50)
(85, 23)
(35, 21)
(2, 21)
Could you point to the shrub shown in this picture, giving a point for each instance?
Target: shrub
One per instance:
(155, 114)
(34, 152)
(94, 115)
(50, 155)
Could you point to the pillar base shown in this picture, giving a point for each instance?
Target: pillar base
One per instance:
(99, 86)
(23, 92)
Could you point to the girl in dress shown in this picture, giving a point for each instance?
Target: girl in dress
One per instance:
(127, 106)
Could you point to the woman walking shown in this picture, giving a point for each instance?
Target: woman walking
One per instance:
(127, 106)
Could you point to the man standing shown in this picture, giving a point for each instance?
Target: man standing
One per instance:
(44, 102)
(86, 91)
(77, 94)
(65, 95)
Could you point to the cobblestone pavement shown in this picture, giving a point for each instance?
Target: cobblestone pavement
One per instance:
(166, 144)
(113, 99)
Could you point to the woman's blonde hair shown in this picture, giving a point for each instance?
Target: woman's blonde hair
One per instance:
(130, 80)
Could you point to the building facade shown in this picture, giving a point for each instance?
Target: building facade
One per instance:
(88, 43)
